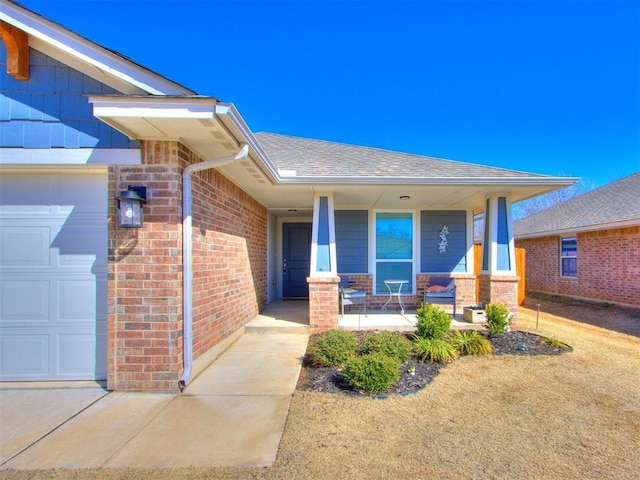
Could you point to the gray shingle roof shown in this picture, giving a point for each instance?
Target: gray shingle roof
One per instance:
(615, 202)
(319, 158)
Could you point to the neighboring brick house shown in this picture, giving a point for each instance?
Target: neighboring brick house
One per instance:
(232, 220)
(587, 247)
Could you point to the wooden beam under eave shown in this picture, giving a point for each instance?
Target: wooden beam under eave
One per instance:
(17, 43)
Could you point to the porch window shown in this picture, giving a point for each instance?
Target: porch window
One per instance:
(569, 257)
(393, 250)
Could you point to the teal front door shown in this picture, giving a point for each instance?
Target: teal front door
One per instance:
(296, 259)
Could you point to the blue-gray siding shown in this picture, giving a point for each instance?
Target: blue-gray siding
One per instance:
(454, 258)
(352, 240)
(51, 108)
(504, 257)
(323, 256)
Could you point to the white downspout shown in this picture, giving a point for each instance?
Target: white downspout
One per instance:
(187, 258)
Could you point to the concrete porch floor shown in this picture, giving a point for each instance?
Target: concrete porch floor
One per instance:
(396, 320)
(294, 315)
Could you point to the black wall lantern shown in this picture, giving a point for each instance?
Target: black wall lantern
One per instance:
(130, 213)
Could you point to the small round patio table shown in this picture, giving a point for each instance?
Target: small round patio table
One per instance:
(390, 284)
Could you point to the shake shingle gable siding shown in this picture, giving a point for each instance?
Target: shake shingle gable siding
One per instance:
(51, 110)
(318, 158)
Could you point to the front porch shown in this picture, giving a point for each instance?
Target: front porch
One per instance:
(292, 316)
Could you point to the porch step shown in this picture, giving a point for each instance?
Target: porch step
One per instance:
(281, 316)
(377, 320)
(267, 325)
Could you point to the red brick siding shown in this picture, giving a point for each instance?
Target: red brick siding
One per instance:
(500, 289)
(230, 258)
(608, 266)
(324, 303)
(144, 344)
(465, 290)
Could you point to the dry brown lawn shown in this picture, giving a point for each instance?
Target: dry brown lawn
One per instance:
(563, 417)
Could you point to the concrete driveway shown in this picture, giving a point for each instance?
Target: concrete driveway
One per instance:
(233, 414)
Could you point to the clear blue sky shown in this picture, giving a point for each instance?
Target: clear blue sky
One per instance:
(545, 86)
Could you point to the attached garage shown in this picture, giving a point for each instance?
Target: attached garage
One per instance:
(53, 274)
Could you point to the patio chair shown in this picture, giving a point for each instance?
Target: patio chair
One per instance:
(441, 291)
(351, 294)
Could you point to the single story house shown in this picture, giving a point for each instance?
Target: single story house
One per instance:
(587, 247)
(231, 221)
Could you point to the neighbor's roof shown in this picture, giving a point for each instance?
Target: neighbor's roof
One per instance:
(615, 204)
(318, 158)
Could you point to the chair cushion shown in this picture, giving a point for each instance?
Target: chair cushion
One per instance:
(354, 294)
(436, 288)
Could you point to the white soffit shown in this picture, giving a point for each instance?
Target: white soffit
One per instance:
(422, 197)
(192, 121)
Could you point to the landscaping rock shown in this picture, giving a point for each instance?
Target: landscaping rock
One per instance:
(327, 380)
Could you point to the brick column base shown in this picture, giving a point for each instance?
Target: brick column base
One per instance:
(323, 303)
(500, 289)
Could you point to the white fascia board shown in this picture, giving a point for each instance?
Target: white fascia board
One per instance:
(266, 165)
(481, 181)
(89, 52)
(153, 107)
(634, 222)
(70, 156)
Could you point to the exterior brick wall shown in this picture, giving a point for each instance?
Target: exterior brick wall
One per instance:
(608, 266)
(465, 290)
(144, 344)
(324, 303)
(500, 289)
(144, 337)
(229, 258)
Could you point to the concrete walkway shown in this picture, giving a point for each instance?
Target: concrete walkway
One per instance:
(233, 414)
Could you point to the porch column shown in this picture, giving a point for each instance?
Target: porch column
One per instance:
(498, 279)
(323, 278)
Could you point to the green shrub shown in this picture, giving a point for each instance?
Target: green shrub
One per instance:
(391, 344)
(554, 342)
(332, 348)
(497, 318)
(434, 349)
(433, 321)
(373, 372)
(469, 342)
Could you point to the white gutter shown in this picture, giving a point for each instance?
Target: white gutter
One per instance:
(265, 164)
(289, 178)
(187, 258)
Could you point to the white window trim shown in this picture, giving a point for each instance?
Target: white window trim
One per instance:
(560, 238)
(415, 261)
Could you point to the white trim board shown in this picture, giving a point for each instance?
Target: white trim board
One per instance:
(70, 156)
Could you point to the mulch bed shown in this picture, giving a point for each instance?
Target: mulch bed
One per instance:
(328, 380)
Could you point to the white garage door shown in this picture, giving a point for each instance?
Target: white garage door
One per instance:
(53, 276)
